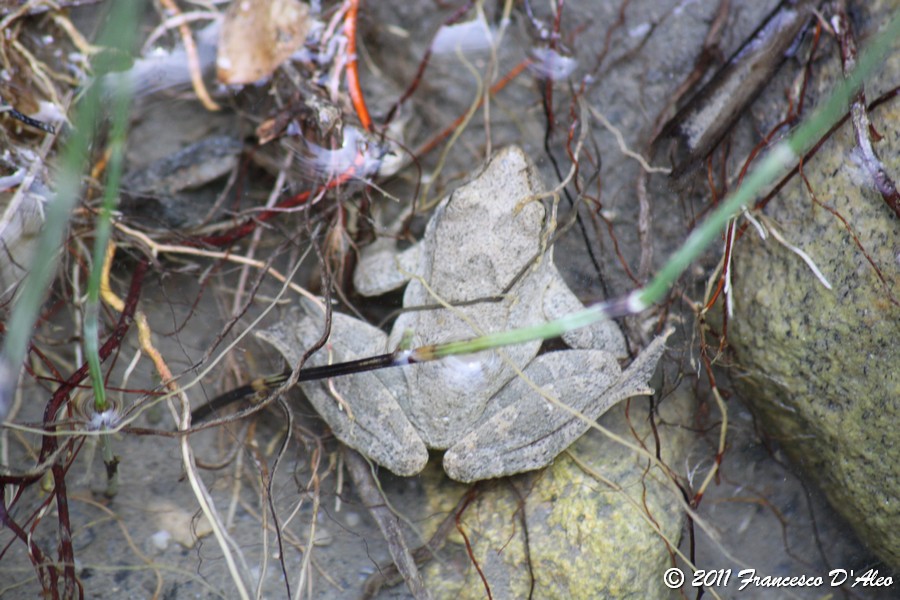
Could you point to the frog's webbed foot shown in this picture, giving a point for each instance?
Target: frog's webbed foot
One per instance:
(361, 409)
(530, 431)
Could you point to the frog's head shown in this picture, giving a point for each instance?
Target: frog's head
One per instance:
(485, 233)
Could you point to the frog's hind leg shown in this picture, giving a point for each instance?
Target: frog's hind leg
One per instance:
(533, 426)
(559, 301)
(361, 409)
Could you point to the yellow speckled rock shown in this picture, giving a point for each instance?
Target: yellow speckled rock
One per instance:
(822, 368)
(564, 530)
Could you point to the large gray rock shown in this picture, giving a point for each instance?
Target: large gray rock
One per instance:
(822, 368)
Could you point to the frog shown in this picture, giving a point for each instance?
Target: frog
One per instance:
(482, 266)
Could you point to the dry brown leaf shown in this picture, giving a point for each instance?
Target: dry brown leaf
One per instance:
(257, 36)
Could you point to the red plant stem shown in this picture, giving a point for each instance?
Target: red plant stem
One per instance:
(423, 64)
(433, 142)
(46, 571)
(793, 113)
(470, 497)
(246, 228)
(65, 550)
(49, 444)
(548, 83)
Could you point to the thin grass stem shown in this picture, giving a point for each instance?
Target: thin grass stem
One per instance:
(117, 37)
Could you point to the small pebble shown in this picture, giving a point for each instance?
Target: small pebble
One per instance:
(352, 519)
(160, 539)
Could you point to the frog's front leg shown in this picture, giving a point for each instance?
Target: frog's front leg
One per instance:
(361, 409)
(530, 430)
(382, 268)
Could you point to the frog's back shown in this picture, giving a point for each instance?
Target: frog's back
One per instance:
(476, 244)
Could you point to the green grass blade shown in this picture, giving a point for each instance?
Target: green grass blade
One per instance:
(102, 230)
(118, 35)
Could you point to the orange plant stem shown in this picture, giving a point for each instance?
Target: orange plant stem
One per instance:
(356, 95)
